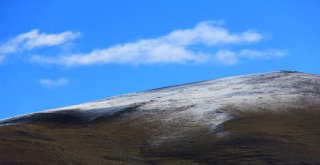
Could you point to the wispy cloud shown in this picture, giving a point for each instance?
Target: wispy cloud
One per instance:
(207, 42)
(229, 57)
(35, 39)
(53, 83)
(175, 47)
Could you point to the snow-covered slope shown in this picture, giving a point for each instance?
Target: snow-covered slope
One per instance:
(203, 102)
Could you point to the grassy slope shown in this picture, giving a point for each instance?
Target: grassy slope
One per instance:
(291, 137)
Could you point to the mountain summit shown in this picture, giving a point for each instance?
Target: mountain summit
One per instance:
(267, 118)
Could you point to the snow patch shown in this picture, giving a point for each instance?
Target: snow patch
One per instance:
(207, 100)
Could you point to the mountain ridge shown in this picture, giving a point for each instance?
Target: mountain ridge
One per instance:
(266, 118)
(109, 110)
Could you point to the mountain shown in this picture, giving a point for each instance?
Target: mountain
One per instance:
(267, 118)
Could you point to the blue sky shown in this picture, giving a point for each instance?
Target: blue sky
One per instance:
(59, 53)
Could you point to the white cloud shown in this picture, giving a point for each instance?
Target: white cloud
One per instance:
(226, 57)
(200, 44)
(268, 53)
(210, 33)
(171, 48)
(229, 57)
(53, 83)
(34, 39)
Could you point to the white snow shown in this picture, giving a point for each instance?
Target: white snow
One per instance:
(207, 100)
